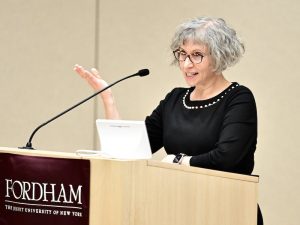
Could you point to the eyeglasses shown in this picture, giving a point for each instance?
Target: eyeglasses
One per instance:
(195, 57)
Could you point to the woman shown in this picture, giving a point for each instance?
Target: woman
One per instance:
(213, 123)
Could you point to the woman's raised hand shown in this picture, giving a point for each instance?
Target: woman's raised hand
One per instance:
(97, 83)
(94, 80)
(92, 77)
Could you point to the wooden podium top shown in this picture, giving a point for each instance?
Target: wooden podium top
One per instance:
(153, 163)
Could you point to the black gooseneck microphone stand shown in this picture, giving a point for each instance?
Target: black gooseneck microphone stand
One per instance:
(140, 73)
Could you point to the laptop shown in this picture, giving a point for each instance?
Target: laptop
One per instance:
(123, 139)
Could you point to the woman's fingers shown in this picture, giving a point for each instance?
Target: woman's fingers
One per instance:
(96, 82)
(168, 158)
(83, 72)
(92, 77)
(95, 73)
(80, 70)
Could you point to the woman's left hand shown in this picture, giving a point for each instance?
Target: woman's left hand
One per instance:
(168, 159)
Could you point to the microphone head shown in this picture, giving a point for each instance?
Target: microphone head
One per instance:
(143, 72)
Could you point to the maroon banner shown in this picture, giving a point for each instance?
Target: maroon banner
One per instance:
(43, 191)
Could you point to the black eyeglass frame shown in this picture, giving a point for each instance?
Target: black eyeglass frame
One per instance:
(187, 56)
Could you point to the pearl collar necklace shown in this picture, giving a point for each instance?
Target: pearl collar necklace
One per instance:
(211, 103)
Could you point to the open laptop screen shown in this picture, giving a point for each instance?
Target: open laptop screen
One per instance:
(123, 139)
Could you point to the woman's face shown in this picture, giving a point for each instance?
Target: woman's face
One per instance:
(196, 73)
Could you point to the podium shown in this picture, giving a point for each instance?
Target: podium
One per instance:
(147, 192)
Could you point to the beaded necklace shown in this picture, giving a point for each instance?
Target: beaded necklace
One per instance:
(207, 104)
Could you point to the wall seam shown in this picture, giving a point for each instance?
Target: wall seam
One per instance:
(96, 65)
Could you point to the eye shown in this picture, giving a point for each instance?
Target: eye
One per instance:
(197, 54)
(182, 53)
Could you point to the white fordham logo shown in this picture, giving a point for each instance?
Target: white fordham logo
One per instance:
(46, 192)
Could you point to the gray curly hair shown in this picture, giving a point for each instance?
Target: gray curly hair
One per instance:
(223, 44)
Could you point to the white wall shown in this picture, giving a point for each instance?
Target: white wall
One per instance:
(40, 41)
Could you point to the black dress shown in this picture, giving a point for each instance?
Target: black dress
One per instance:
(219, 133)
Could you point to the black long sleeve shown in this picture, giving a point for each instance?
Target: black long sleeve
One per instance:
(222, 135)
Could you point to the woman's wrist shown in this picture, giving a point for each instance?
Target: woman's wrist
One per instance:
(111, 111)
(182, 159)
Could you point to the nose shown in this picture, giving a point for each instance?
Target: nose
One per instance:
(187, 62)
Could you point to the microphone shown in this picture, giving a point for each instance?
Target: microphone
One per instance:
(141, 73)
